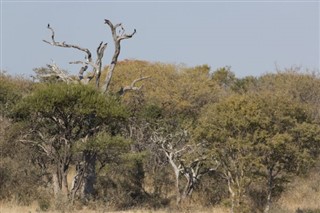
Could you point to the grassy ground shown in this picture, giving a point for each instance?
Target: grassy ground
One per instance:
(9, 208)
(302, 193)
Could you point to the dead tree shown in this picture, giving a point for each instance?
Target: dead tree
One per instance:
(118, 34)
(85, 175)
(177, 149)
(117, 38)
(95, 65)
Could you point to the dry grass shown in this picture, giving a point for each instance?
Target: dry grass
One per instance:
(12, 208)
(303, 193)
(34, 209)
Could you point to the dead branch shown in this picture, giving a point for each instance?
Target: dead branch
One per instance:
(177, 154)
(65, 45)
(100, 52)
(118, 34)
(117, 37)
(59, 73)
(96, 66)
(132, 86)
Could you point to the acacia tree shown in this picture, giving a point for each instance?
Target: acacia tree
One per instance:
(19, 170)
(54, 74)
(96, 153)
(257, 135)
(60, 115)
(221, 133)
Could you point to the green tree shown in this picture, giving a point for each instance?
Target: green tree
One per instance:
(96, 153)
(224, 77)
(60, 115)
(11, 90)
(301, 86)
(175, 89)
(257, 135)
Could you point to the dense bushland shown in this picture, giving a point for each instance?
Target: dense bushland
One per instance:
(191, 136)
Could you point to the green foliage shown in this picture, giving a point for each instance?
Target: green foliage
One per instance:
(110, 150)
(44, 204)
(71, 111)
(261, 131)
(176, 89)
(58, 116)
(46, 75)
(151, 112)
(71, 99)
(21, 177)
(104, 141)
(224, 77)
(121, 172)
(243, 85)
(254, 133)
(11, 91)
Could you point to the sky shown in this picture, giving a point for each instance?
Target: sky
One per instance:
(252, 37)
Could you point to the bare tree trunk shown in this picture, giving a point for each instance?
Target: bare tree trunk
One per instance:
(189, 186)
(60, 184)
(77, 181)
(268, 204)
(232, 195)
(118, 35)
(178, 193)
(270, 187)
(55, 183)
(192, 171)
(85, 177)
(89, 179)
(116, 39)
(64, 185)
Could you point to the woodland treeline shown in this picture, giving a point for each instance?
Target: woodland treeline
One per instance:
(175, 135)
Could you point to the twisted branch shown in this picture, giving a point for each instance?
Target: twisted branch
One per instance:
(96, 66)
(132, 86)
(118, 34)
(116, 39)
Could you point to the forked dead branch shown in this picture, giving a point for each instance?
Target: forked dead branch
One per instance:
(118, 34)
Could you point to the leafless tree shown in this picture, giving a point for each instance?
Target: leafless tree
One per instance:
(186, 160)
(118, 34)
(85, 174)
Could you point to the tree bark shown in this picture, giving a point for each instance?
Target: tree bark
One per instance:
(232, 195)
(116, 39)
(118, 35)
(95, 65)
(85, 178)
(60, 184)
(269, 191)
(89, 180)
(55, 184)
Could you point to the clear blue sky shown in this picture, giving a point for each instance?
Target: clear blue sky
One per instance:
(249, 36)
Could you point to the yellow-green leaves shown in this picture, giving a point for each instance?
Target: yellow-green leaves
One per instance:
(70, 101)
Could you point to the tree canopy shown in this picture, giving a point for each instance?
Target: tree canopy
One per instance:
(155, 135)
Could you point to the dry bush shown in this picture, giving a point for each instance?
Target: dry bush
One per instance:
(12, 208)
(303, 193)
